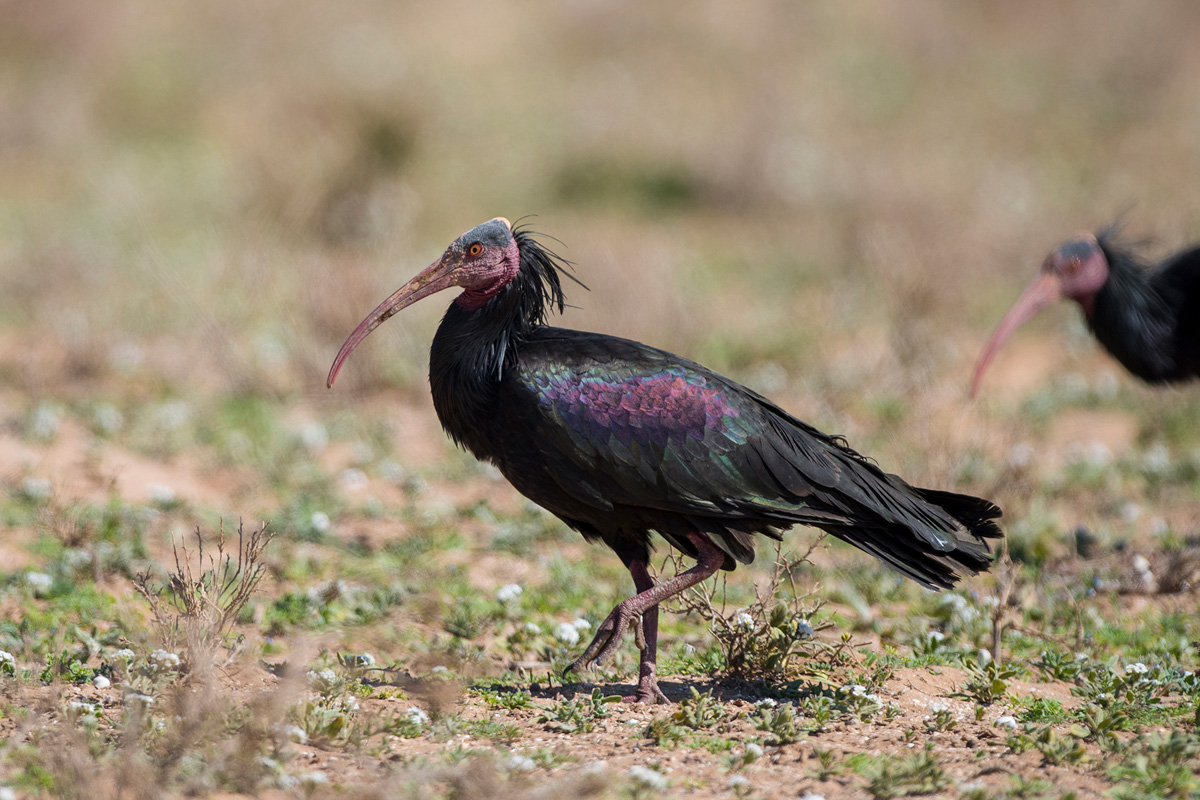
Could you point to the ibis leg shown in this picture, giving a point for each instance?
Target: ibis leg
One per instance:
(641, 611)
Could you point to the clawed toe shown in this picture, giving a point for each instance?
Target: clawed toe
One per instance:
(608, 639)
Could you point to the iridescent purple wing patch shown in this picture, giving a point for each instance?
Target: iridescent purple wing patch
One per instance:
(674, 404)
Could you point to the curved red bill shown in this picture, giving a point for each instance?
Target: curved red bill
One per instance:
(1045, 289)
(438, 276)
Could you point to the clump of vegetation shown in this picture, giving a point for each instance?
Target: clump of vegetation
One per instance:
(767, 638)
(891, 776)
(197, 606)
(780, 722)
(580, 714)
(699, 711)
(988, 683)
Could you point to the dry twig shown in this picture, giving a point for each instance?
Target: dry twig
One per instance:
(202, 598)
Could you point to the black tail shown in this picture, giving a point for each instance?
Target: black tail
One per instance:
(907, 548)
(979, 517)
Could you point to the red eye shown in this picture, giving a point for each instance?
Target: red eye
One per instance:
(475, 249)
(1073, 266)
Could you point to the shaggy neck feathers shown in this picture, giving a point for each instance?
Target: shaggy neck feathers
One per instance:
(476, 343)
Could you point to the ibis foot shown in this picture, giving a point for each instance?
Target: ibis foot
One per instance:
(647, 690)
(609, 635)
(640, 612)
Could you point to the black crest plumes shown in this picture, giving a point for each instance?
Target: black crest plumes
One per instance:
(539, 282)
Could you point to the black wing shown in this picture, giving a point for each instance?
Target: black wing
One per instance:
(625, 426)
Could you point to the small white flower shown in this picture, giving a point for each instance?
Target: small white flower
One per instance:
(804, 629)
(936, 637)
(138, 699)
(314, 778)
(508, 592)
(1137, 669)
(737, 783)
(566, 633)
(520, 763)
(37, 488)
(766, 702)
(650, 778)
(101, 682)
(314, 437)
(1157, 459)
(44, 422)
(1007, 722)
(1021, 455)
(532, 628)
(743, 620)
(320, 521)
(164, 659)
(161, 494)
(81, 707)
(754, 751)
(856, 689)
(416, 716)
(7, 657)
(1094, 454)
(293, 733)
(938, 708)
(38, 581)
(391, 470)
(173, 414)
(125, 653)
(439, 670)
(582, 624)
(354, 479)
(812, 796)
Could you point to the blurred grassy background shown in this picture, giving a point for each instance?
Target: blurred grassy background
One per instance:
(833, 202)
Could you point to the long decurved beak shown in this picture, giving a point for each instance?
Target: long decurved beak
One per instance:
(437, 276)
(1045, 289)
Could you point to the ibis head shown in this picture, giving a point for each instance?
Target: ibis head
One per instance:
(1077, 269)
(482, 262)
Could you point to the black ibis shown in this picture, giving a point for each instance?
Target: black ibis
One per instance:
(619, 439)
(1148, 317)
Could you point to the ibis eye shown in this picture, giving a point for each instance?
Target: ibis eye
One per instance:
(475, 249)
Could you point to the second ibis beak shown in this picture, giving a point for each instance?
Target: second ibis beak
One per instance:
(1045, 289)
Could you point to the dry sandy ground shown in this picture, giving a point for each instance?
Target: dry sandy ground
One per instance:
(973, 752)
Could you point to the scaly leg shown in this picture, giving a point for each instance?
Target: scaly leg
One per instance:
(642, 609)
